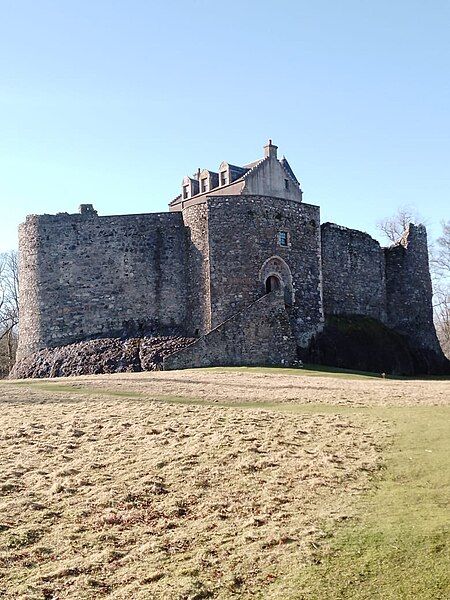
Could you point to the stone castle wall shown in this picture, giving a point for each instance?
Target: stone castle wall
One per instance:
(243, 235)
(409, 290)
(185, 273)
(353, 273)
(84, 276)
(198, 270)
(260, 334)
(392, 285)
(30, 262)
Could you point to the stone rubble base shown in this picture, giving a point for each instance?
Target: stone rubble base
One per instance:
(107, 355)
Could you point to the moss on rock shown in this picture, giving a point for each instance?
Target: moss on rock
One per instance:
(365, 344)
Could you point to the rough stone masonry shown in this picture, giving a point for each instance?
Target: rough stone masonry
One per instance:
(201, 272)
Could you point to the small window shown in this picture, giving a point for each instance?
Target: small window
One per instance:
(185, 191)
(204, 186)
(286, 184)
(283, 238)
(223, 178)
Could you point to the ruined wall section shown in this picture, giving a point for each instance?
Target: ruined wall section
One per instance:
(198, 270)
(409, 291)
(353, 273)
(85, 277)
(243, 234)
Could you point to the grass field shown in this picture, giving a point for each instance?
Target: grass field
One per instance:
(223, 483)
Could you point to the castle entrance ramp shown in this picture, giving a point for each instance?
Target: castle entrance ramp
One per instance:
(260, 334)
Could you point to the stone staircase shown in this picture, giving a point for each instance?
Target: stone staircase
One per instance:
(260, 334)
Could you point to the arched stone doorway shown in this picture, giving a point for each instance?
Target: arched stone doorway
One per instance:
(272, 283)
(275, 275)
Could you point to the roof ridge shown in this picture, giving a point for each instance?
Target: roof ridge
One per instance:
(288, 170)
(258, 164)
(174, 201)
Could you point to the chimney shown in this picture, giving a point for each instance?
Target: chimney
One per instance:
(270, 150)
(87, 209)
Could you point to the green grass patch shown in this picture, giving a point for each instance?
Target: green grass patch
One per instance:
(80, 390)
(307, 370)
(399, 548)
(310, 370)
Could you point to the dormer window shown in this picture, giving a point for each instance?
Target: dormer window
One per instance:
(190, 187)
(283, 238)
(271, 177)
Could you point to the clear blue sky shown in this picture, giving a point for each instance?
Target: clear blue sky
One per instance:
(111, 102)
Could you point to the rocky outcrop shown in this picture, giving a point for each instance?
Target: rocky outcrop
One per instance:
(259, 335)
(108, 355)
(365, 344)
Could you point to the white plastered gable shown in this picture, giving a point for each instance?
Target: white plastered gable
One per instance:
(269, 178)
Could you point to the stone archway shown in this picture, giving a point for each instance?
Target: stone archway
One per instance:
(273, 283)
(275, 274)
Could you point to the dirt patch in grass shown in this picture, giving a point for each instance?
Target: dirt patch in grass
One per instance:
(131, 498)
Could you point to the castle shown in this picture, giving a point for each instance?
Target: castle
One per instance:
(240, 263)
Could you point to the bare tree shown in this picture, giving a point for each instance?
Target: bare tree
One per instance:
(440, 263)
(9, 310)
(393, 227)
(441, 258)
(442, 318)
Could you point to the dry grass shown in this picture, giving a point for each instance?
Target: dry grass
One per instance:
(271, 387)
(115, 497)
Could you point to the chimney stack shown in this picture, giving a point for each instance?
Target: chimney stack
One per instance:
(270, 150)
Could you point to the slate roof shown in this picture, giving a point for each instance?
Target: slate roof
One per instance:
(176, 200)
(241, 173)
